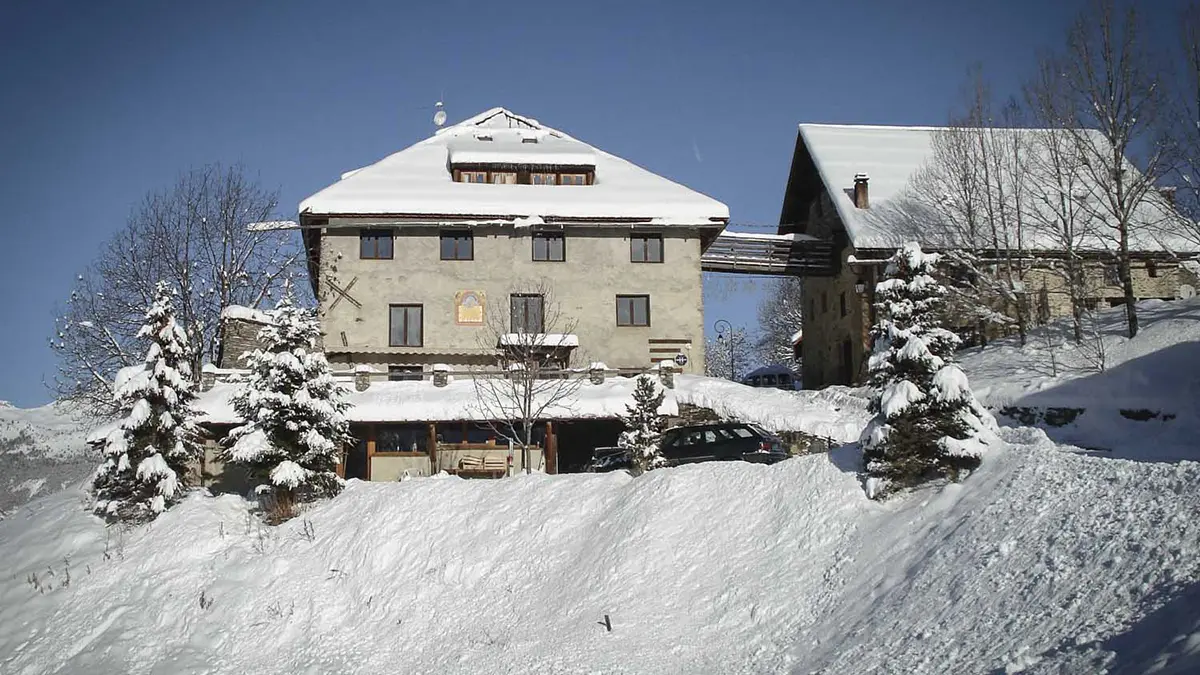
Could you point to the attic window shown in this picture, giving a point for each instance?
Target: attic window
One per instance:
(529, 140)
(483, 137)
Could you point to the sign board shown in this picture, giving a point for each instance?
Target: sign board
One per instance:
(681, 360)
(468, 308)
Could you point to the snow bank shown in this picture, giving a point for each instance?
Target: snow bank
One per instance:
(1155, 371)
(1044, 558)
(833, 412)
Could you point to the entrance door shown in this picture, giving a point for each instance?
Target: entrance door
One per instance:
(356, 460)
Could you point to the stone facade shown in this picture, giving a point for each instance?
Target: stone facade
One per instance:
(585, 285)
(837, 342)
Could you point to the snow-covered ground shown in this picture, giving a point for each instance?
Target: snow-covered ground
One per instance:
(1157, 371)
(1045, 560)
(41, 450)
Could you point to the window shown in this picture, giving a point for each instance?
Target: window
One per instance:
(526, 309)
(572, 179)
(473, 177)
(633, 310)
(398, 373)
(375, 244)
(458, 245)
(405, 326)
(646, 248)
(1151, 269)
(543, 179)
(549, 246)
(1112, 275)
(401, 438)
(504, 177)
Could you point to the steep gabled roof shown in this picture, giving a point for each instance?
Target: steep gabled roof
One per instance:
(417, 180)
(893, 158)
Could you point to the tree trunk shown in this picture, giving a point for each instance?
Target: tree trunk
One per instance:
(1131, 317)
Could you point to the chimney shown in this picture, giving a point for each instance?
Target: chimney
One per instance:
(1168, 193)
(860, 191)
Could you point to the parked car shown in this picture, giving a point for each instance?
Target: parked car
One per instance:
(777, 376)
(720, 441)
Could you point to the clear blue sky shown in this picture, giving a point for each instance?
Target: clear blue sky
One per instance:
(102, 101)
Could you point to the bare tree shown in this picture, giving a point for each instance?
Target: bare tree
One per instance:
(1057, 190)
(1116, 105)
(194, 236)
(780, 317)
(534, 344)
(973, 187)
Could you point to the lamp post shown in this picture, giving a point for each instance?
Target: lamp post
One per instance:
(729, 330)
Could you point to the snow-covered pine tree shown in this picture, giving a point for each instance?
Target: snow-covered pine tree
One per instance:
(146, 457)
(927, 423)
(643, 426)
(294, 413)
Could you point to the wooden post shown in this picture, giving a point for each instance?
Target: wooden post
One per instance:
(432, 443)
(341, 465)
(551, 449)
(370, 449)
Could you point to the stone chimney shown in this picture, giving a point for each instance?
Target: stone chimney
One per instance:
(860, 191)
(362, 377)
(1168, 193)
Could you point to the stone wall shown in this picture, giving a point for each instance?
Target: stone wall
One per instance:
(597, 269)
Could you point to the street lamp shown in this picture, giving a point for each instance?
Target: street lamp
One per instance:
(729, 329)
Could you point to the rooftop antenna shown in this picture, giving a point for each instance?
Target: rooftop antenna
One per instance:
(439, 117)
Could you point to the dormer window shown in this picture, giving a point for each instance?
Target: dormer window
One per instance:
(523, 174)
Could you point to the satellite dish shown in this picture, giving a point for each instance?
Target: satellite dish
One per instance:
(439, 117)
(1186, 291)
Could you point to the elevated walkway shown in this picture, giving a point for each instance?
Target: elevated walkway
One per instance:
(769, 254)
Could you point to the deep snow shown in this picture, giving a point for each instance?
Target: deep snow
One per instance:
(1046, 560)
(1157, 371)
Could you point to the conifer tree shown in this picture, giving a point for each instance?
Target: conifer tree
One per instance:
(293, 411)
(146, 457)
(927, 423)
(643, 426)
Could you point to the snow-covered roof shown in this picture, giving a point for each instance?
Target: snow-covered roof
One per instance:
(539, 340)
(891, 157)
(420, 401)
(246, 314)
(417, 180)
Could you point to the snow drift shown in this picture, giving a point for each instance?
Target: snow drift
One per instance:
(1043, 560)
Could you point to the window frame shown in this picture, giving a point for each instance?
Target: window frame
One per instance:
(457, 235)
(391, 321)
(524, 298)
(549, 235)
(574, 178)
(376, 234)
(645, 238)
(633, 314)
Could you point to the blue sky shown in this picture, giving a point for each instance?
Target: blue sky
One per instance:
(100, 102)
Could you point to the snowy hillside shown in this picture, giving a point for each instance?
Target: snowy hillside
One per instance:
(1047, 560)
(41, 450)
(1156, 373)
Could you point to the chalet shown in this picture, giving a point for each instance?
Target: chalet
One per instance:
(410, 256)
(413, 259)
(857, 186)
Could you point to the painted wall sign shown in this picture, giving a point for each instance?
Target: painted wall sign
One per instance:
(468, 308)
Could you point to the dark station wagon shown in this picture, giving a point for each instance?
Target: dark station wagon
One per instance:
(720, 441)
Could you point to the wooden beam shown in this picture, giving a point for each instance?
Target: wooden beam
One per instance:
(551, 449)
